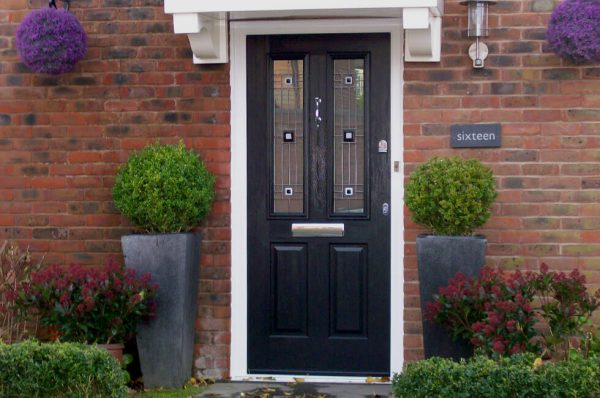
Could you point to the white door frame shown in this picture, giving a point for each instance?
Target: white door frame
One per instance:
(239, 318)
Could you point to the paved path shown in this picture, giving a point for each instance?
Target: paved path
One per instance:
(296, 390)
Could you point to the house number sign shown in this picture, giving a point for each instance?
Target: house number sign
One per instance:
(475, 135)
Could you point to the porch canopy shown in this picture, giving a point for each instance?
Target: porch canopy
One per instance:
(206, 22)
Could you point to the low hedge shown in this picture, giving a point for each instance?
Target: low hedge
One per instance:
(511, 377)
(33, 369)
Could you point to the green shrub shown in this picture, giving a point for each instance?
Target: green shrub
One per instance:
(451, 196)
(511, 377)
(32, 369)
(164, 188)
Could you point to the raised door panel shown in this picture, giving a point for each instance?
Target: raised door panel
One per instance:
(289, 289)
(348, 290)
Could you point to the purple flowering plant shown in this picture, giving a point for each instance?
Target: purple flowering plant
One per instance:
(51, 41)
(88, 305)
(574, 31)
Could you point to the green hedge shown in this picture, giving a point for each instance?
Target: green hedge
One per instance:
(32, 369)
(511, 377)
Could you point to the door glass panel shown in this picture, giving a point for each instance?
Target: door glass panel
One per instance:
(288, 136)
(349, 136)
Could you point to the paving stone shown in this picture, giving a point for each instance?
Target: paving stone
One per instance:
(296, 390)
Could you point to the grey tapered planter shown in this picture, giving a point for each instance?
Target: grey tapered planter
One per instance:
(439, 259)
(166, 343)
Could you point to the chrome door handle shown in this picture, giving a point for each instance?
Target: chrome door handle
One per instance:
(318, 117)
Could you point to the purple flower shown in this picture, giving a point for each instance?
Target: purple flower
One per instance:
(574, 30)
(51, 41)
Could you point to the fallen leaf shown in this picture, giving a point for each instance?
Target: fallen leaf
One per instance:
(299, 379)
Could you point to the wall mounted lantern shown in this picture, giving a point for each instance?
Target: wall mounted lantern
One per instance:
(478, 27)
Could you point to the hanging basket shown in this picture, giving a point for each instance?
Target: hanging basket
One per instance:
(51, 41)
(574, 31)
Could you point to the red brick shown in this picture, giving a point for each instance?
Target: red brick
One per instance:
(411, 355)
(66, 220)
(16, 106)
(121, 106)
(413, 340)
(66, 246)
(519, 102)
(7, 220)
(222, 312)
(560, 101)
(480, 102)
(590, 236)
(48, 182)
(102, 220)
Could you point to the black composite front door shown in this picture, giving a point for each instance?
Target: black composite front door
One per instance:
(318, 204)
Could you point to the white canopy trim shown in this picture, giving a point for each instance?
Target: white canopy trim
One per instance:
(206, 22)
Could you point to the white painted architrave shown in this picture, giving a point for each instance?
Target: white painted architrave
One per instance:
(239, 227)
(205, 22)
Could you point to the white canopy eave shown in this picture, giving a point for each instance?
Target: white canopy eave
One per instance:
(206, 22)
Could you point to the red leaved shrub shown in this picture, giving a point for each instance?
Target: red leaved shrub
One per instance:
(89, 305)
(498, 311)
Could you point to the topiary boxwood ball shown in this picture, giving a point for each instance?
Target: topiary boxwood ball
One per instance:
(574, 31)
(51, 41)
(164, 189)
(451, 196)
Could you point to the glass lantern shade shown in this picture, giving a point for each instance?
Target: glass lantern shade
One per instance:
(478, 17)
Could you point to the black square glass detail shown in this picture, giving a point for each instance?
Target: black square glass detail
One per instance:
(349, 135)
(348, 80)
(288, 136)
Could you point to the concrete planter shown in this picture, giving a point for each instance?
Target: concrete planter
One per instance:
(166, 344)
(439, 259)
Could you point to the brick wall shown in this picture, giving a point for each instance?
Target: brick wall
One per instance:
(62, 139)
(548, 169)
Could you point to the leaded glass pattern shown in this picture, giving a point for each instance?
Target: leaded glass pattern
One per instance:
(288, 137)
(349, 136)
